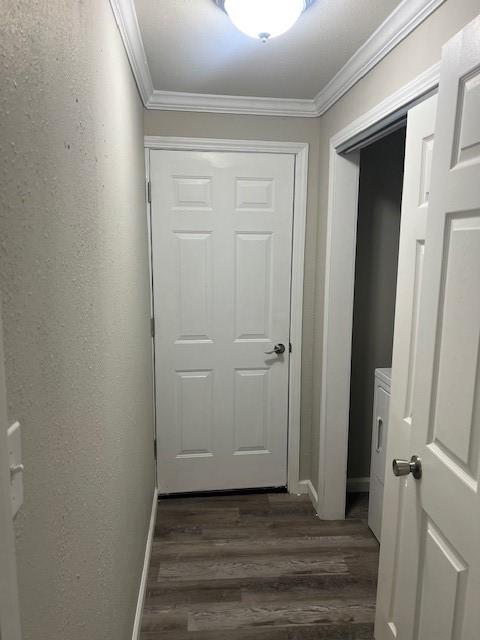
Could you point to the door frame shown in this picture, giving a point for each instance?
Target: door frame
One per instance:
(9, 602)
(300, 151)
(343, 188)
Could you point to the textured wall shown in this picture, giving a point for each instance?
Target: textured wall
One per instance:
(207, 125)
(415, 54)
(378, 233)
(74, 284)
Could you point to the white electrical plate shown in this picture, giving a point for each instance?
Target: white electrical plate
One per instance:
(16, 469)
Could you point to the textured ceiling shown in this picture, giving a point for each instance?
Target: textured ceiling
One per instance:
(192, 46)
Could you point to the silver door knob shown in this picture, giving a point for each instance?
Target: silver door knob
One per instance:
(404, 467)
(278, 349)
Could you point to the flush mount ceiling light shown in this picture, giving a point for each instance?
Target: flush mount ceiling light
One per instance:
(264, 19)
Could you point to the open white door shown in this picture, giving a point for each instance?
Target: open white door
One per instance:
(429, 577)
(416, 190)
(9, 607)
(221, 254)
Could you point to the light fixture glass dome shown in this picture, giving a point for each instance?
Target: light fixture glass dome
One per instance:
(264, 19)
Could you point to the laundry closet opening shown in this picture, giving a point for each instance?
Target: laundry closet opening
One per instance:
(376, 263)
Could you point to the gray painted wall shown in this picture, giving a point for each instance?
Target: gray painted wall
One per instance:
(74, 286)
(378, 233)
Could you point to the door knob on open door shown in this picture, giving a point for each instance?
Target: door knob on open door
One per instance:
(404, 467)
(278, 349)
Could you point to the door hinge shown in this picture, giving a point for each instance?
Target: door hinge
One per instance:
(152, 327)
(155, 448)
(149, 192)
(290, 347)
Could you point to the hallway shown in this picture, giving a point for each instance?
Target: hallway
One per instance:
(259, 567)
(181, 208)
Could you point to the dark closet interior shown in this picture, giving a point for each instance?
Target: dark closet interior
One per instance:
(378, 231)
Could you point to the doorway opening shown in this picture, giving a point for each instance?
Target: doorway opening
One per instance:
(376, 264)
(343, 193)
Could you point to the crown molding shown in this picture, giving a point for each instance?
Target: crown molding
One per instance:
(127, 22)
(203, 102)
(400, 23)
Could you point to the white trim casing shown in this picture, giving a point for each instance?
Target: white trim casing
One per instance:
(300, 150)
(296, 315)
(137, 623)
(221, 144)
(423, 84)
(337, 333)
(339, 286)
(396, 27)
(152, 321)
(9, 603)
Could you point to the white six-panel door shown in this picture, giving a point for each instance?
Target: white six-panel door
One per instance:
(436, 581)
(221, 253)
(415, 197)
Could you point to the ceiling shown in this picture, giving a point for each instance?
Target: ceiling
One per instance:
(191, 46)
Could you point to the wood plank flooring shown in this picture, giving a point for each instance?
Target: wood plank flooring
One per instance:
(259, 567)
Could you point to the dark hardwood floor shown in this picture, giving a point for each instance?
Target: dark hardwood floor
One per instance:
(259, 567)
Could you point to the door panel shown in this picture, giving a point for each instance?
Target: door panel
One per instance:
(194, 285)
(253, 285)
(437, 580)
(457, 370)
(251, 400)
(221, 252)
(194, 413)
(415, 199)
(441, 565)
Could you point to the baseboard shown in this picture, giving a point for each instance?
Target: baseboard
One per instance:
(146, 562)
(307, 487)
(358, 485)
